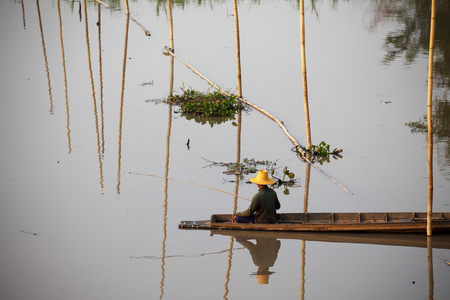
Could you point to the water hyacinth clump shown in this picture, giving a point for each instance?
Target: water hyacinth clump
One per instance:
(211, 104)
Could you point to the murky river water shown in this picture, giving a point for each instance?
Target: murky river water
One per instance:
(78, 121)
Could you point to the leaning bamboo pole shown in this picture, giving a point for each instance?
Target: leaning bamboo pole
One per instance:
(273, 118)
(305, 85)
(429, 117)
(299, 149)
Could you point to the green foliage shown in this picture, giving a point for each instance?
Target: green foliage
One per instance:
(211, 104)
(322, 149)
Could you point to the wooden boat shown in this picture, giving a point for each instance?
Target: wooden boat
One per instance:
(333, 222)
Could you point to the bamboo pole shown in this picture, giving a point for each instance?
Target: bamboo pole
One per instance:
(238, 48)
(429, 117)
(128, 9)
(169, 10)
(305, 85)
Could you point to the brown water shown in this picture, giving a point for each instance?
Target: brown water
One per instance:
(76, 222)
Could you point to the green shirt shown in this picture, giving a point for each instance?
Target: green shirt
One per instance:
(264, 205)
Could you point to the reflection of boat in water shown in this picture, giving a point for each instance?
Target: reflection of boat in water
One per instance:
(407, 222)
(441, 241)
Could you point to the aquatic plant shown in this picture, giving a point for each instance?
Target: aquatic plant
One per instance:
(210, 104)
(323, 149)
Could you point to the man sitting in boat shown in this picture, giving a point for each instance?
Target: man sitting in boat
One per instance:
(264, 203)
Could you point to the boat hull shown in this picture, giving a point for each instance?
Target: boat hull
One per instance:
(406, 222)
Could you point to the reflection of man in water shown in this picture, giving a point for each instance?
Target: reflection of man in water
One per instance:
(264, 254)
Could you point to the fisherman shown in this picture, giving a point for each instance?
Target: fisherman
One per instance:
(264, 203)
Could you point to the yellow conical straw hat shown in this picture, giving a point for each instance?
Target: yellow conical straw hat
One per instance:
(263, 279)
(262, 178)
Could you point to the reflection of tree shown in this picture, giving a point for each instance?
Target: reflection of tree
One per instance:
(411, 40)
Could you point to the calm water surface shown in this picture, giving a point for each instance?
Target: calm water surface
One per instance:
(78, 120)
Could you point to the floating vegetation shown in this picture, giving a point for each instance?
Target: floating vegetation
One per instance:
(210, 104)
(323, 149)
(321, 153)
(284, 179)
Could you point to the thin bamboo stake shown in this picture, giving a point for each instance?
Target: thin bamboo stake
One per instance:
(302, 153)
(305, 85)
(238, 48)
(169, 10)
(180, 180)
(126, 5)
(429, 117)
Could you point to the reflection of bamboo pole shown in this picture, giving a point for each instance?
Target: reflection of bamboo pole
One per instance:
(430, 122)
(45, 57)
(93, 94)
(430, 267)
(169, 10)
(166, 184)
(305, 86)
(238, 48)
(227, 276)
(267, 114)
(302, 271)
(65, 76)
(99, 24)
(23, 15)
(121, 103)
